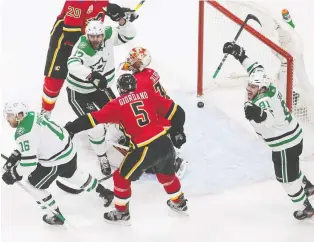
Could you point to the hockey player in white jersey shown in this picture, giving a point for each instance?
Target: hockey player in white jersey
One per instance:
(44, 152)
(91, 72)
(268, 114)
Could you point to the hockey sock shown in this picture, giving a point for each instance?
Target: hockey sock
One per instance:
(51, 90)
(44, 198)
(304, 180)
(122, 191)
(96, 138)
(171, 185)
(296, 192)
(83, 180)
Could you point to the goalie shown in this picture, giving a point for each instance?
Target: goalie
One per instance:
(268, 114)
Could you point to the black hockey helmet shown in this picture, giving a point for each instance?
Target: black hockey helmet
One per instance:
(126, 83)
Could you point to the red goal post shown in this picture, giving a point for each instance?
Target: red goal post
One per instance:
(252, 31)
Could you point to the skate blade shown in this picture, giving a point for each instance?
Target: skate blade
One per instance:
(184, 213)
(54, 225)
(120, 222)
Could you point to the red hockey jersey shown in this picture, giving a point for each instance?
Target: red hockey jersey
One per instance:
(138, 113)
(74, 17)
(148, 79)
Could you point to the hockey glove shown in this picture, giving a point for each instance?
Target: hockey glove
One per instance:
(115, 12)
(12, 160)
(254, 112)
(67, 129)
(11, 176)
(130, 14)
(178, 138)
(233, 49)
(94, 76)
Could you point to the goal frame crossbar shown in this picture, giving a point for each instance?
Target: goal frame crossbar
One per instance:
(249, 29)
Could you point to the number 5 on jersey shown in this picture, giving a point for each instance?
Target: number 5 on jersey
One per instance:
(140, 113)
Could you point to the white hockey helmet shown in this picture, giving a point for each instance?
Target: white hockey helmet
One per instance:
(260, 79)
(95, 27)
(137, 60)
(15, 108)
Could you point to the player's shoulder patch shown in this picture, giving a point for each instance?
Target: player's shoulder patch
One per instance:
(25, 126)
(108, 32)
(268, 94)
(85, 46)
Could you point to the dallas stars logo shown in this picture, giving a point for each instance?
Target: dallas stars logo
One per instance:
(99, 66)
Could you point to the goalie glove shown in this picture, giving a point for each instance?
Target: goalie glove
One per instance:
(233, 49)
(12, 160)
(254, 112)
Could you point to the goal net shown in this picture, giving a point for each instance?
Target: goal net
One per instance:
(275, 45)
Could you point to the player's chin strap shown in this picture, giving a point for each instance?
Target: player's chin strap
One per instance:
(41, 202)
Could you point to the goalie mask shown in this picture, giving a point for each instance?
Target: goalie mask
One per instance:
(126, 83)
(137, 60)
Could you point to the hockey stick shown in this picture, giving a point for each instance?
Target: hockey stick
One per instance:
(42, 203)
(118, 145)
(139, 5)
(248, 17)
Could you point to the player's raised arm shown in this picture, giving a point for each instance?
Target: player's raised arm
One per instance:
(125, 31)
(239, 54)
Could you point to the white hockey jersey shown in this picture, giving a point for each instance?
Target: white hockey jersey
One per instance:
(41, 140)
(280, 130)
(84, 59)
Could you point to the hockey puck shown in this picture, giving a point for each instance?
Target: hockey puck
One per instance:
(200, 104)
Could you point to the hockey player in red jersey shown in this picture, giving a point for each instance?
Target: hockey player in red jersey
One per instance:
(137, 62)
(67, 29)
(139, 112)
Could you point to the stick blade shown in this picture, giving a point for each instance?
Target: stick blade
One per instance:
(251, 16)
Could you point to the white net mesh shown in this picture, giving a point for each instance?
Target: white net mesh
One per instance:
(232, 78)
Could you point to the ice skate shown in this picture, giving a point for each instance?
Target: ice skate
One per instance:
(106, 195)
(179, 205)
(308, 188)
(118, 217)
(45, 113)
(54, 219)
(104, 165)
(307, 212)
